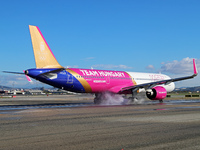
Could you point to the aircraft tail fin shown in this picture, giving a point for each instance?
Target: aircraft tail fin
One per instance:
(44, 58)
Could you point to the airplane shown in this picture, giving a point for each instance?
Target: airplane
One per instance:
(78, 80)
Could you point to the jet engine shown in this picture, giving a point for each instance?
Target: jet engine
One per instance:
(156, 93)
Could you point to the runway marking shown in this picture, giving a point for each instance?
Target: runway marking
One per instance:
(42, 106)
(75, 105)
(168, 118)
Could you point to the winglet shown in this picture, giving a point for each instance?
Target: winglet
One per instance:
(195, 68)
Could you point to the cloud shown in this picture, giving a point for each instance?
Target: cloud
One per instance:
(18, 81)
(185, 66)
(89, 58)
(150, 67)
(12, 80)
(110, 66)
(74, 66)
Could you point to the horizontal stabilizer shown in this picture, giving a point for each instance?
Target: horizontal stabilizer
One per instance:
(13, 72)
(27, 77)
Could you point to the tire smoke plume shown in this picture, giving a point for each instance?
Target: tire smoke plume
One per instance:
(108, 98)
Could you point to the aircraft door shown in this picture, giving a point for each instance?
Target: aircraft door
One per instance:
(107, 80)
(69, 78)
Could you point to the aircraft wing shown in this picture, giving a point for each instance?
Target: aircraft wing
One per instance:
(165, 82)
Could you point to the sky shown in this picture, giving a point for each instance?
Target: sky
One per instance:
(156, 36)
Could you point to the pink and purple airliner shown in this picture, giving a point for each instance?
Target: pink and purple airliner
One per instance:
(49, 71)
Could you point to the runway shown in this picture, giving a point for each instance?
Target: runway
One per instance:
(62, 122)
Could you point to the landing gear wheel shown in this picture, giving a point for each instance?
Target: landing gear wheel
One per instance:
(97, 99)
(132, 100)
(161, 101)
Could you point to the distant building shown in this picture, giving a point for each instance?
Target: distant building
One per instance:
(34, 92)
(12, 92)
(3, 92)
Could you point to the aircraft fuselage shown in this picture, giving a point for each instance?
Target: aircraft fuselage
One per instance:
(94, 81)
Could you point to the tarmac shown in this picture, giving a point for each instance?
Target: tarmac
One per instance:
(74, 122)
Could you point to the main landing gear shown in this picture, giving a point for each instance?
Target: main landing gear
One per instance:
(98, 97)
(109, 98)
(134, 98)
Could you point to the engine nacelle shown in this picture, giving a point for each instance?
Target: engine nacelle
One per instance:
(156, 93)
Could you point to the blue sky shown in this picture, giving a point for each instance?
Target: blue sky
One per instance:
(140, 36)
